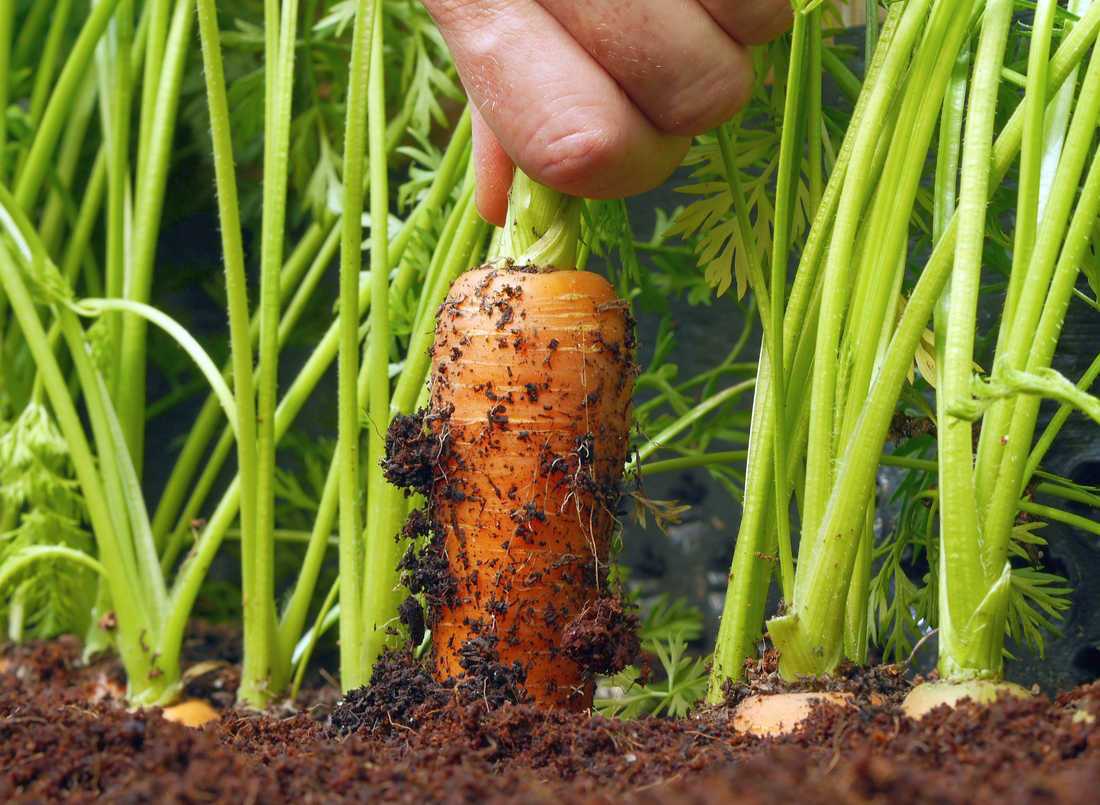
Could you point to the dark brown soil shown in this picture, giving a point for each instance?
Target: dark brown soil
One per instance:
(880, 684)
(603, 637)
(55, 743)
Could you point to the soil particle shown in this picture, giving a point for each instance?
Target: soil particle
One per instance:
(603, 637)
(55, 744)
(412, 615)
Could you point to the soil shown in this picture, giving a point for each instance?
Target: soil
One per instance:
(603, 637)
(875, 683)
(405, 741)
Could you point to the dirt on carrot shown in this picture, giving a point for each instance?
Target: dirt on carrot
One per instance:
(55, 744)
(603, 637)
(425, 568)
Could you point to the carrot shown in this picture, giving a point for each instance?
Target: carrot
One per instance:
(532, 375)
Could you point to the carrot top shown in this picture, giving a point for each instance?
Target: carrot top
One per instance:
(543, 225)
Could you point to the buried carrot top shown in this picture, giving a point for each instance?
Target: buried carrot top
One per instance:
(418, 431)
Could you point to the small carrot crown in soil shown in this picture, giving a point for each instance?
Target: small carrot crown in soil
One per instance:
(520, 457)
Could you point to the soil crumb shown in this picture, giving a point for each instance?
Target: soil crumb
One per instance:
(603, 637)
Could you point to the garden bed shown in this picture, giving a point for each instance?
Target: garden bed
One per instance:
(55, 741)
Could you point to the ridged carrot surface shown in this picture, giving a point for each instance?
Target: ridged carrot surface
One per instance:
(532, 375)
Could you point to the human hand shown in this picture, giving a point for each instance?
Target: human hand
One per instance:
(598, 98)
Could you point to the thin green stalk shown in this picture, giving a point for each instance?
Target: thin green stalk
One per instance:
(314, 636)
(69, 157)
(1059, 516)
(855, 612)
(236, 282)
(690, 462)
(7, 17)
(148, 205)
(347, 449)
(967, 579)
(711, 403)
(76, 247)
(379, 572)
(746, 594)
(115, 90)
(815, 120)
(156, 36)
(798, 102)
(1073, 493)
(996, 420)
(38, 162)
(258, 683)
(318, 541)
(47, 62)
(1054, 427)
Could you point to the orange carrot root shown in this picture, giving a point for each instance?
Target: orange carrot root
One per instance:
(532, 375)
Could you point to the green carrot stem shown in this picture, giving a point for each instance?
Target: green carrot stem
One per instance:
(543, 225)
(7, 17)
(967, 578)
(1054, 427)
(689, 462)
(996, 420)
(378, 572)
(347, 449)
(151, 181)
(236, 283)
(47, 62)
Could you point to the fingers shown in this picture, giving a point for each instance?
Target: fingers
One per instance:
(494, 171)
(555, 111)
(751, 22)
(673, 59)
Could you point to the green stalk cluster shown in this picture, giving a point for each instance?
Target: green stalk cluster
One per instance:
(141, 61)
(863, 340)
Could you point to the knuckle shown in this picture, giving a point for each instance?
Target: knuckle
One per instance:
(705, 103)
(573, 158)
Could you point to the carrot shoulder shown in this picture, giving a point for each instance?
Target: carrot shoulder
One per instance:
(532, 375)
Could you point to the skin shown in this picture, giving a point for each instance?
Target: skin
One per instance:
(598, 98)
